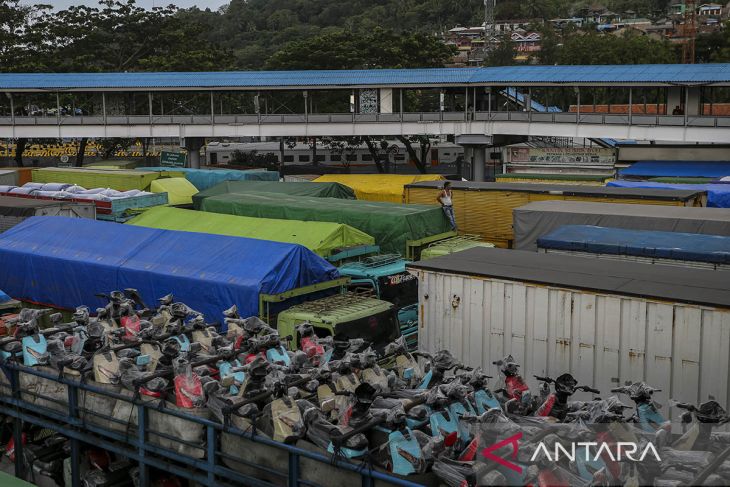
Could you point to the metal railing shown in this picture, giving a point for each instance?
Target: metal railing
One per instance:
(202, 462)
(405, 117)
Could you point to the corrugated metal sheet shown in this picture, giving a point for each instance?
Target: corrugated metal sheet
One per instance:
(602, 339)
(513, 75)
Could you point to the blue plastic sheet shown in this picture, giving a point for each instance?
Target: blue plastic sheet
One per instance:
(4, 298)
(207, 178)
(63, 262)
(718, 195)
(687, 169)
(619, 241)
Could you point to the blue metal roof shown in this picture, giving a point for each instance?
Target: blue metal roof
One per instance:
(657, 74)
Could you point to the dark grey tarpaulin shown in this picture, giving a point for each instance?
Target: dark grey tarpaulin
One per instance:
(535, 220)
(678, 284)
(566, 189)
(24, 207)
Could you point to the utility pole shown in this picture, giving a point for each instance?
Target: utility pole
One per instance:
(689, 31)
(489, 6)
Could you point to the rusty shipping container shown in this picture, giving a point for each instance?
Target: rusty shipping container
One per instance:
(485, 209)
(605, 322)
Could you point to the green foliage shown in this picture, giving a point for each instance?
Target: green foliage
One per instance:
(503, 54)
(375, 49)
(594, 48)
(714, 47)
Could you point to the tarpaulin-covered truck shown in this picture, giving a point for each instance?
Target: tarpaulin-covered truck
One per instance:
(398, 229)
(534, 220)
(207, 178)
(100, 178)
(64, 262)
(485, 209)
(323, 238)
(401, 232)
(668, 248)
(378, 187)
(296, 188)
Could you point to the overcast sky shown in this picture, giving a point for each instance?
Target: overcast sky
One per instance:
(61, 4)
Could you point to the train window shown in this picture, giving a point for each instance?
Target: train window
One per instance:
(288, 158)
(304, 158)
(367, 157)
(399, 157)
(320, 158)
(335, 157)
(351, 157)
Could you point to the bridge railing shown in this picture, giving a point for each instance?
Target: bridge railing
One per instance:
(405, 117)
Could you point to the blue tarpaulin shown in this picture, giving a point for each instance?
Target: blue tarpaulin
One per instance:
(63, 262)
(207, 178)
(618, 241)
(682, 169)
(718, 195)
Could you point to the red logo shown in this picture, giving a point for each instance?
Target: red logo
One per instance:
(512, 440)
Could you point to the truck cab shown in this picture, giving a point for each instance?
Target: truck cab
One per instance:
(346, 316)
(385, 276)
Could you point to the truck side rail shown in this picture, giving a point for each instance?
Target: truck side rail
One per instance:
(413, 247)
(265, 300)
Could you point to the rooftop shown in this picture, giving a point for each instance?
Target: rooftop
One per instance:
(652, 74)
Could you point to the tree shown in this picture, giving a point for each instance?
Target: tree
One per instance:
(375, 49)
(20, 36)
(503, 54)
(595, 48)
(420, 160)
(82, 151)
(19, 150)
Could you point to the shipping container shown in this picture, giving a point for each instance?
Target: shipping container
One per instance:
(379, 187)
(300, 188)
(667, 248)
(396, 228)
(96, 178)
(540, 218)
(605, 322)
(15, 210)
(485, 209)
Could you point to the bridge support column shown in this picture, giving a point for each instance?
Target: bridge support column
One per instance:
(193, 146)
(476, 145)
(386, 100)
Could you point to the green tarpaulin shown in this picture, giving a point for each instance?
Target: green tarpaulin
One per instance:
(391, 224)
(323, 238)
(317, 190)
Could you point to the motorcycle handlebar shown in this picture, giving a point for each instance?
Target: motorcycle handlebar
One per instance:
(544, 379)
(588, 389)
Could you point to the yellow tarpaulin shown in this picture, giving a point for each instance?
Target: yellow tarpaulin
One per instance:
(378, 187)
(179, 191)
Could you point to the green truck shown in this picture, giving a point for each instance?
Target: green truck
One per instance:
(418, 230)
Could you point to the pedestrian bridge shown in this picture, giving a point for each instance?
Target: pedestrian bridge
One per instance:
(657, 102)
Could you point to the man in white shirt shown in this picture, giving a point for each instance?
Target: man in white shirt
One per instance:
(444, 198)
